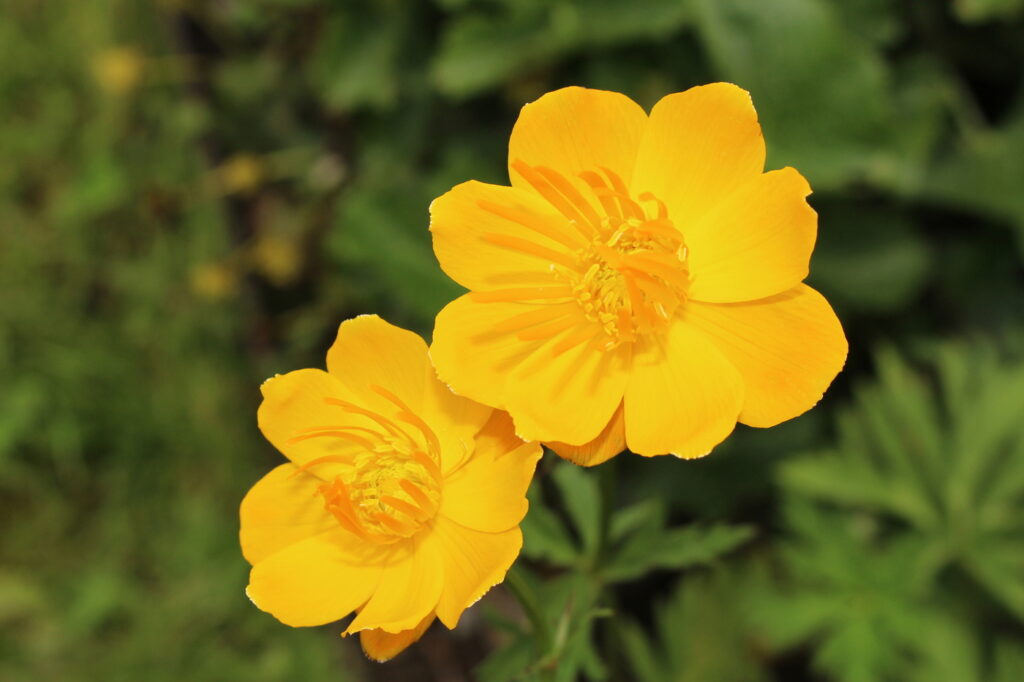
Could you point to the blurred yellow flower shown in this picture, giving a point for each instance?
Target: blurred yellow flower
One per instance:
(240, 174)
(639, 284)
(402, 501)
(278, 258)
(213, 281)
(118, 69)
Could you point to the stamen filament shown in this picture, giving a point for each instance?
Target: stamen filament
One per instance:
(549, 226)
(561, 204)
(525, 246)
(521, 294)
(534, 316)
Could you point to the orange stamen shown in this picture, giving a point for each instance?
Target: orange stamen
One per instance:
(345, 435)
(559, 182)
(412, 511)
(430, 465)
(546, 331)
(581, 335)
(561, 204)
(415, 493)
(536, 316)
(520, 294)
(549, 226)
(602, 192)
(525, 246)
(410, 417)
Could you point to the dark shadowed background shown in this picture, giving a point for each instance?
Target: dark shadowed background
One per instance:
(194, 194)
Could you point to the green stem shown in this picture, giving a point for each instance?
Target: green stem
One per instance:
(527, 598)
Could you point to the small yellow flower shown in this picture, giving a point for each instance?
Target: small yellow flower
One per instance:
(402, 501)
(118, 70)
(240, 174)
(213, 281)
(639, 284)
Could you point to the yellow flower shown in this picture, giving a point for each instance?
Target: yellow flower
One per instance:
(401, 501)
(118, 69)
(639, 284)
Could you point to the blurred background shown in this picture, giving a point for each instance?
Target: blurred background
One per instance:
(194, 194)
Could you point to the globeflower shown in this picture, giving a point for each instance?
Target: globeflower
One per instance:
(401, 501)
(639, 284)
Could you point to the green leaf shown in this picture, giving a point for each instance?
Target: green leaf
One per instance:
(544, 534)
(674, 548)
(582, 499)
(700, 634)
(823, 94)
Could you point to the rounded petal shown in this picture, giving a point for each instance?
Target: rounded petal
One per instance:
(488, 493)
(491, 237)
(408, 591)
(577, 129)
(474, 562)
(283, 508)
(610, 442)
(683, 396)
(371, 352)
(316, 581)
(788, 349)
(569, 397)
(296, 402)
(755, 243)
(382, 646)
(470, 355)
(698, 146)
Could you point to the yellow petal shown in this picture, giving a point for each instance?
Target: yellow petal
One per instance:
(281, 509)
(488, 492)
(788, 349)
(756, 243)
(576, 129)
(498, 434)
(569, 398)
(470, 355)
(698, 147)
(483, 234)
(316, 581)
(683, 396)
(371, 352)
(610, 442)
(382, 646)
(474, 562)
(408, 591)
(455, 420)
(294, 403)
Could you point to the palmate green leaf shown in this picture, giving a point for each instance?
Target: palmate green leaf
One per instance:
(701, 633)
(675, 548)
(582, 500)
(860, 598)
(944, 460)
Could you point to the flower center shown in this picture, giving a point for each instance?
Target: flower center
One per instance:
(390, 486)
(623, 273)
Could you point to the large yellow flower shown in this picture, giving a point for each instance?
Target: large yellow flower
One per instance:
(639, 284)
(402, 501)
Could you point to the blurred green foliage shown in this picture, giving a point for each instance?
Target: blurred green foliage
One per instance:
(193, 194)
